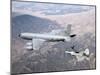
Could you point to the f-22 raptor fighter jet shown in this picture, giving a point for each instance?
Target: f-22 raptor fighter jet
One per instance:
(54, 36)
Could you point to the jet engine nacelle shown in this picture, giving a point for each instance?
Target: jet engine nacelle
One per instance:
(29, 46)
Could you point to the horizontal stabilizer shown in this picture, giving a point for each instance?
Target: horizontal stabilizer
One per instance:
(73, 35)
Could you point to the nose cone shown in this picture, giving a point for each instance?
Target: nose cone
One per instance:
(19, 35)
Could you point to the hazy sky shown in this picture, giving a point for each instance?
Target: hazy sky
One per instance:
(50, 8)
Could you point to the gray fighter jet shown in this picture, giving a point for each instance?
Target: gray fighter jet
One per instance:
(80, 56)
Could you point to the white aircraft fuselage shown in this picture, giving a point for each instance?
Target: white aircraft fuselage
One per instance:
(54, 36)
(48, 37)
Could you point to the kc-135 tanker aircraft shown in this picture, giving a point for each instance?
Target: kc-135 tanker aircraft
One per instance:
(38, 39)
